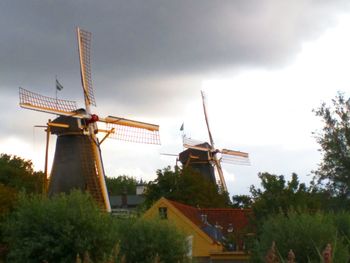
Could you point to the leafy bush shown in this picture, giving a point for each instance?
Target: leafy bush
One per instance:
(307, 234)
(145, 240)
(8, 197)
(57, 229)
(19, 174)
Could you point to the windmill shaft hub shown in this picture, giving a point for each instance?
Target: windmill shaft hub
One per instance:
(94, 118)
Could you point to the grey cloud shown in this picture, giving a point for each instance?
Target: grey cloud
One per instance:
(138, 45)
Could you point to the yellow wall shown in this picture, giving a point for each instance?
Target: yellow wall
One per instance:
(202, 244)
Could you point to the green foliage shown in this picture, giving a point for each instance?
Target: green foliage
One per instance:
(144, 240)
(277, 195)
(307, 234)
(242, 201)
(18, 174)
(8, 198)
(121, 184)
(57, 229)
(342, 221)
(185, 186)
(334, 139)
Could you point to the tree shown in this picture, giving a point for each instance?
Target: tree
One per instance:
(185, 186)
(57, 229)
(145, 240)
(8, 198)
(277, 195)
(334, 139)
(242, 201)
(121, 184)
(19, 174)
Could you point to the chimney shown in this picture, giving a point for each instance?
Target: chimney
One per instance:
(230, 228)
(204, 218)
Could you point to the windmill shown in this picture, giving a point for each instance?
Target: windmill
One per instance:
(77, 161)
(206, 159)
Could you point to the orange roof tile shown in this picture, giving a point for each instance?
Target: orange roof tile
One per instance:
(189, 211)
(239, 218)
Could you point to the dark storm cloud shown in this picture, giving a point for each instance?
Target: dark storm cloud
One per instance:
(144, 51)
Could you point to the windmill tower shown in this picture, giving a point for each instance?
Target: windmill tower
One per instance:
(206, 159)
(78, 162)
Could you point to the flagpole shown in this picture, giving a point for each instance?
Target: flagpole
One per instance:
(56, 91)
(182, 129)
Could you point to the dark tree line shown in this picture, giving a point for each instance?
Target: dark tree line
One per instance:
(121, 185)
(17, 175)
(185, 186)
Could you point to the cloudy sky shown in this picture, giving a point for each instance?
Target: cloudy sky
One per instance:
(264, 65)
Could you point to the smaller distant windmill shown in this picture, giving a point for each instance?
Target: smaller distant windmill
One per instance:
(206, 159)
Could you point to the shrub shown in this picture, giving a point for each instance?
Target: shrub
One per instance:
(307, 234)
(57, 229)
(145, 240)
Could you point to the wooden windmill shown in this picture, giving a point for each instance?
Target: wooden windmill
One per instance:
(77, 162)
(206, 159)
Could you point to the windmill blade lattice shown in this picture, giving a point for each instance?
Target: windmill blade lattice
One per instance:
(195, 144)
(35, 101)
(84, 44)
(133, 134)
(234, 157)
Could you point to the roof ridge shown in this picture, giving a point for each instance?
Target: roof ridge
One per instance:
(228, 209)
(211, 208)
(178, 203)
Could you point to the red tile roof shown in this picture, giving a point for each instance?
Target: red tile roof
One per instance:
(239, 218)
(189, 211)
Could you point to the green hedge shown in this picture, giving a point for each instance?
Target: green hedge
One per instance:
(306, 234)
(57, 229)
(144, 240)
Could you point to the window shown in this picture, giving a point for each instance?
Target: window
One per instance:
(163, 212)
(189, 241)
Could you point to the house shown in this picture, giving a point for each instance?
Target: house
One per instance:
(213, 234)
(125, 205)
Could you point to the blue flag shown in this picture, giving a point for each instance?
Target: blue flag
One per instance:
(58, 85)
(182, 127)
